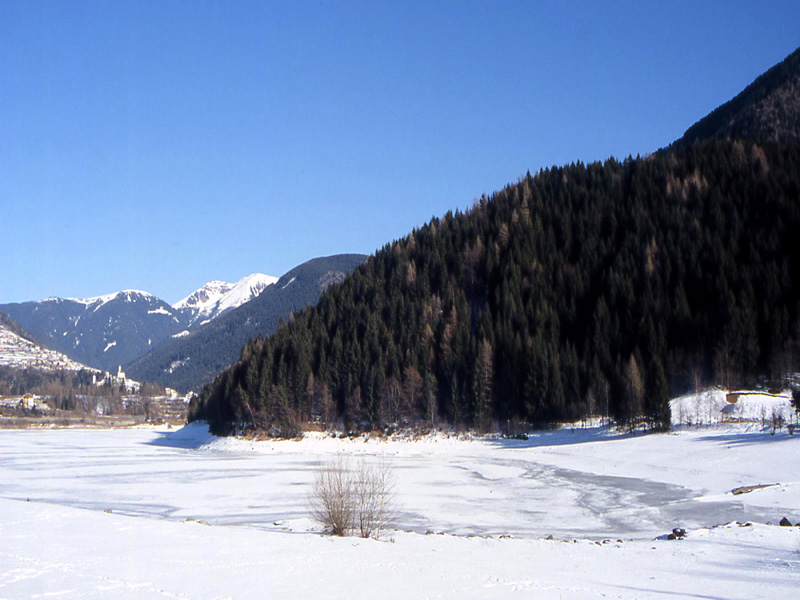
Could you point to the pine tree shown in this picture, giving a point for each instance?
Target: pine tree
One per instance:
(483, 385)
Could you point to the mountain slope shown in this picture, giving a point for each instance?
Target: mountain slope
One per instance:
(103, 332)
(584, 290)
(15, 328)
(20, 351)
(767, 110)
(218, 297)
(191, 361)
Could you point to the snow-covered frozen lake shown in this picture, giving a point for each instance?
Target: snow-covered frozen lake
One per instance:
(581, 483)
(583, 487)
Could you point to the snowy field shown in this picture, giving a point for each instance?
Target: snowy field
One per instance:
(606, 499)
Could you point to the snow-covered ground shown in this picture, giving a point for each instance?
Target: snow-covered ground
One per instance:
(606, 499)
(719, 406)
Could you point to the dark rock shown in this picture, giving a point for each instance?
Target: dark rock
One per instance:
(678, 533)
(746, 489)
(785, 522)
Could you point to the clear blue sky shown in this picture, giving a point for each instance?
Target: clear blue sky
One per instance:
(159, 145)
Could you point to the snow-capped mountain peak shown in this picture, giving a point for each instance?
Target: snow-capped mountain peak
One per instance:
(205, 297)
(245, 290)
(217, 297)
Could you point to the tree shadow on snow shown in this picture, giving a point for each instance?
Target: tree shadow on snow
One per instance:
(564, 437)
(190, 437)
(747, 439)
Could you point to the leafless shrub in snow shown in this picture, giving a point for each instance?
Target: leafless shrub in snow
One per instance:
(374, 497)
(777, 421)
(332, 497)
(346, 498)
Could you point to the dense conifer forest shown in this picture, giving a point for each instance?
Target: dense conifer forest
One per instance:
(581, 290)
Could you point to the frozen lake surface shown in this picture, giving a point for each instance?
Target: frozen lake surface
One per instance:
(584, 487)
(566, 483)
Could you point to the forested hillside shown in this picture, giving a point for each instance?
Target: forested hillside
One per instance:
(587, 289)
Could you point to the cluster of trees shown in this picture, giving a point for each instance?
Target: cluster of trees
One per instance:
(583, 290)
(63, 388)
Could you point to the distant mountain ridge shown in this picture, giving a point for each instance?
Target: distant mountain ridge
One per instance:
(768, 110)
(190, 361)
(113, 329)
(120, 328)
(104, 331)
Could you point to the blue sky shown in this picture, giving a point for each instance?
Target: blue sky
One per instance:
(159, 145)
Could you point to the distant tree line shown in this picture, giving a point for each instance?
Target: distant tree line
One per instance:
(62, 387)
(581, 290)
(71, 390)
